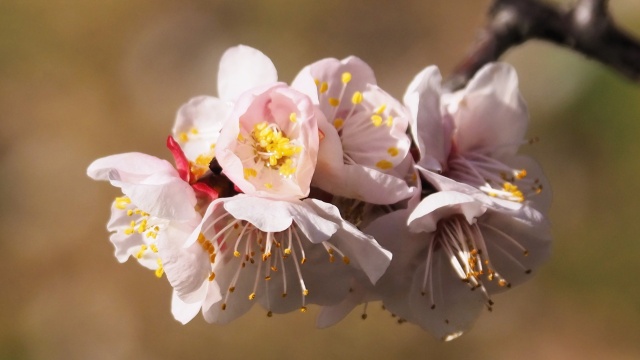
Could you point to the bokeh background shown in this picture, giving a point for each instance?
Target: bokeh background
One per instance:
(84, 79)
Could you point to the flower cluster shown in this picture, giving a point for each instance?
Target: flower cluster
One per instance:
(313, 193)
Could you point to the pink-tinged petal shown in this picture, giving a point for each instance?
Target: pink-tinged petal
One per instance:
(442, 205)
(354, 181)
(330, 73)
(490, 112)
(304, 82)
(376, 136)
(152, 184)
(187, 268)
(517, 245)
(182, 311)
(198, 124)
(456, 307)
(361, 183)
(427, 124)
(243, 68)
(259, 116)
(362, 249)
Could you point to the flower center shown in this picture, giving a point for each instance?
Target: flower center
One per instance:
(273, 148)
(493, 177)
(269, 256)
(145, 225)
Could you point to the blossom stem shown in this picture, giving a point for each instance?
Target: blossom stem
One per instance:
(586, 28)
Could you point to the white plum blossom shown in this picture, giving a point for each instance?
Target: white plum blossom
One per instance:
(252, 212)
(154, 196)
(296, 253)
(365, 133)
(473, 135)
(196, 130)
(269, 145)
(454, 255)
(199, 121)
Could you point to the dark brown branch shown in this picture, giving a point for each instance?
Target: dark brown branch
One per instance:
(586, 28)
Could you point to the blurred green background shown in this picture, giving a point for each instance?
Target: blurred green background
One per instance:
(84, 79)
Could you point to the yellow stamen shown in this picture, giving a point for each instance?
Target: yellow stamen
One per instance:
(334, 102)
(346, 77)
(249, 173)
(393, 151)
(384, 164)
(357, 98)
(376, 120)
(122, 202)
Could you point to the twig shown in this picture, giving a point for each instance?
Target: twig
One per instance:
(586, 28)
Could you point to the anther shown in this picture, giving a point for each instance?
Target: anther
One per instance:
(346, 77)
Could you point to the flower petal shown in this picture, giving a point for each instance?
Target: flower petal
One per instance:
(440, 205)
(182, 311)
(456, 307)
(489, 112)
(243, 68)
(517, 245)
(187, 268)
(152, 184)
(429, 132)
(363, 249)
(198, 124)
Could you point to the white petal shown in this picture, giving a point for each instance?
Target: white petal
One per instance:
(440, 205)
(152, 184)
(125, 245)
(423, 100)
(491, 112)
(363, 249)
(275, 215)
(362, 183)
(187, 269)
(331, 315)
(456, 306)
(130, 167)
(243, 68)
(508, 237)
(182, 311)
(444, 183)
(200, 120)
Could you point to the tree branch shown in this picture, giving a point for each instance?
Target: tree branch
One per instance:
(586, 28)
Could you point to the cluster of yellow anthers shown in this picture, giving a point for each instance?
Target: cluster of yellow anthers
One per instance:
(511, 191)
(273, 248)
(378, 117)
(274, 148)
(454, 236)
(210, 249)
(140, 226)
